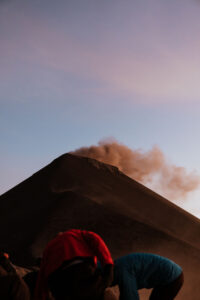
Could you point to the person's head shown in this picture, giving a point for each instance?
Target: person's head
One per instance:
(78, 282)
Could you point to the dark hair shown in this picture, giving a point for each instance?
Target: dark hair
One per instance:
(81, 281)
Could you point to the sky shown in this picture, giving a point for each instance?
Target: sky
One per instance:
(75, 72)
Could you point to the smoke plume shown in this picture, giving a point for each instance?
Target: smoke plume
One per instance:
(150, 168)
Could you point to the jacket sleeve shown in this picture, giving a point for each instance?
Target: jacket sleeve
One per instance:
(127, 284)
(98, 247)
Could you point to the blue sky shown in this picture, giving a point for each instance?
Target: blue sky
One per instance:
(74, 72)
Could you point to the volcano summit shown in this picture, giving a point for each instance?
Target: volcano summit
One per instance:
(80, 192)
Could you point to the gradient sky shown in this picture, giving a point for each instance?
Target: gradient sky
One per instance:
(74, 72)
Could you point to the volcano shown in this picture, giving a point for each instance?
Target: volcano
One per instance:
(79, 192)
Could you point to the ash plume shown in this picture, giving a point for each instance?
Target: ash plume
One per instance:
(150, 168)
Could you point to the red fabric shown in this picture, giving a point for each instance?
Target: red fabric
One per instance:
(66, 246)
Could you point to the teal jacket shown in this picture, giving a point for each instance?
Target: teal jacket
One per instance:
(143, 270)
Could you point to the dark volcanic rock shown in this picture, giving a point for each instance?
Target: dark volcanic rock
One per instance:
(77, 192)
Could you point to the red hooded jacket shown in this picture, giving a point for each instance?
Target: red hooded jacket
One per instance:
(66, 246)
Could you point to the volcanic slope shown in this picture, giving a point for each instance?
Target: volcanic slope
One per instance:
(78, 192)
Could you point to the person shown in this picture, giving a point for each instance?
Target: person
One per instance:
(144, 270)
(69, 267)
(12, 287)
